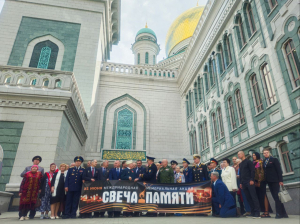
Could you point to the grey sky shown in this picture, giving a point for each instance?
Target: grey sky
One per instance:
(135, 13)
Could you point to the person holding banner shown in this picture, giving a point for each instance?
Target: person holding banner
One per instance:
(73, 184)
(223, 202)
(115, 174)
(165, 174)
(187, 171)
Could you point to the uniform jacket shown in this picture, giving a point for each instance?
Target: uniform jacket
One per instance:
(74, 179)
(200, 173)
(165, 175)
(113, 174)
(273, 172)
(188, 175)
(104, 175)
(87, 174)
(150, 174)
(222, 194)
(179, 178)
(139, 171)
(229, 178)
(126, 173)
(28, 168)
(215, 170)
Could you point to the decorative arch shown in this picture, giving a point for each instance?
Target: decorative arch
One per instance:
(127, 99)
(34, 42)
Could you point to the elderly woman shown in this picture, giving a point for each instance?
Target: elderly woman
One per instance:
(29, 190)
(260, 185)
(178, 177)
(58, 196)
(46, 192)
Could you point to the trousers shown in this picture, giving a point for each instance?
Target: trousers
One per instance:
(251, 196)
(274, 189)
(72, 203)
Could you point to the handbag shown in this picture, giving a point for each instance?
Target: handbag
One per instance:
(284, 195)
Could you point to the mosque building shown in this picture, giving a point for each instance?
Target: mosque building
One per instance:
(230, 82)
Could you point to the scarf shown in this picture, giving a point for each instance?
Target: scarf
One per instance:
(56, 182)
(49, 175)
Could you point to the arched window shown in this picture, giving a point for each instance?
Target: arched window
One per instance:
(187, 106)
(154, 62)
(211, 73)
(154, 73)
(196, 93)
(240, 32)
(251, 20)
(220, 122)
(7, 79)
(147, 58)
(58, 84)
(44, 55)
(270, 5)
(215, 126)
(164, 74)
(228, 56)
(199, 89)
(293, 63)
(159, 74)
(239, 106)
(206, 134)
(139, 58)
(190, 102)
(221, 59)
(20, 80)
(124, 129)
(45, 82)
(256, 94)
(202, 137)
(231, 113)
(285, 157)
(194, 143)
(33, 82)
(270, 92)
(141, 71)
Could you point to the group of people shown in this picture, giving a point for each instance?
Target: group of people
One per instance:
(58, 190)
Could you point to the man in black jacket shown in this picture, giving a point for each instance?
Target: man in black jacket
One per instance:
(273, 176)
(247, 174)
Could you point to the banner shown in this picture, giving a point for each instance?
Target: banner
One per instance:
(129, 196)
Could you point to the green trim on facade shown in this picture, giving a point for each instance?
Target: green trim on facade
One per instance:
(113, 141)
(123, 155)
(32, 28)
(10, 135)
(105, 115)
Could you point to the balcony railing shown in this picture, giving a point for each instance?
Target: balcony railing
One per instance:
(140, 70)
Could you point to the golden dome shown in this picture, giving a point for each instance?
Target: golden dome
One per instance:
(183, 27)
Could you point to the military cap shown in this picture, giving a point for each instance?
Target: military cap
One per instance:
(150, 158)
(174, 162)
(185, 161)
(212, 160)
(78, 158)
(129, 162)
(159, 162)
(196, 156)
(37, 158)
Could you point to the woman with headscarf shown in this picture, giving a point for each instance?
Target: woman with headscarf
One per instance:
(29, 190)
(58, 196)
(260, 185)
(46, 192)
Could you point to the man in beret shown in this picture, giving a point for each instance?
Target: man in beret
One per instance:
(187, 171)
(173, 165)
(73, 184)
(36, 161)
(200, 172)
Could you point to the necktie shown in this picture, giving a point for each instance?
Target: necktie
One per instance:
(103, 171)
(118, 171)
(266, 162)
(137, 169)
(93, 172)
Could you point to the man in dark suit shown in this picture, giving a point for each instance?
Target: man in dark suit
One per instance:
(273, 177)
(73, 184)
(92, 174)
(104, 177)
(223, 202)
(139, 169)
(115, 174)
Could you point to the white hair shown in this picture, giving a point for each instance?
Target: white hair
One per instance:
(216, 174)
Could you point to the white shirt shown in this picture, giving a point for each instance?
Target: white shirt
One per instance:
(229, 178)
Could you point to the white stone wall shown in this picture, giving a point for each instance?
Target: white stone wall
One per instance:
(91, 41)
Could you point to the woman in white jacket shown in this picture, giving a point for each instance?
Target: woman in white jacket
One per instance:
(229, 178)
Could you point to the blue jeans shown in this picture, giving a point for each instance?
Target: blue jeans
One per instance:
(246, 204)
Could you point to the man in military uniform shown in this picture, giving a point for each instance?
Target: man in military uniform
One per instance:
(173, 165)
(199, 170)
(165, 174)
(187, 171)
(36, 161)
(150, 177)
(73, 184)
(214, 168)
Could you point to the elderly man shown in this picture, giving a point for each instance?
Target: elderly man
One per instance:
(36, 161)
(104, 177)
(89, 163)
(200, 172)
(115, 174)
(223, 202)
(165, 175)
(247, 175)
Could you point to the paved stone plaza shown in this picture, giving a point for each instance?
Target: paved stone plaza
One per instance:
(11, 217)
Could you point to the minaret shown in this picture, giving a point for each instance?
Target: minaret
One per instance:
(145, 47)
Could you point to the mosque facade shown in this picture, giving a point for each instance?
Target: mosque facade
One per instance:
(230, 82)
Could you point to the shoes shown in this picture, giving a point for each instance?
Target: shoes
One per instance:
(26, 218)
(46, 216)
(65, 217)
(256, 217)
(22, 218)
(247, 214)
(57, 217)
(42, 217)
(285, 216)
(278, 216)
(52, 217)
